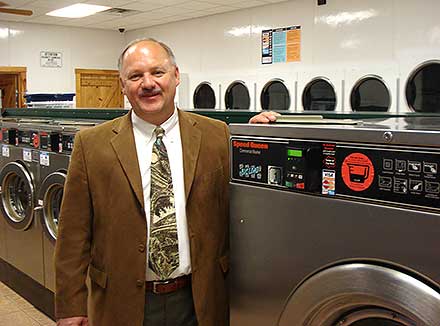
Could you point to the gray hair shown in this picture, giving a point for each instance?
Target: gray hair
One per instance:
(147, 39)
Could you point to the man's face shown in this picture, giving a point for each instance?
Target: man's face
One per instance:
(149, 81)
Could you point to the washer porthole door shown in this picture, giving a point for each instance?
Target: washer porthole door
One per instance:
(51, 193)
(18, 195)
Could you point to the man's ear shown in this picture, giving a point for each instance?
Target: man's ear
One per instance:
(177, 72)
(121, 82)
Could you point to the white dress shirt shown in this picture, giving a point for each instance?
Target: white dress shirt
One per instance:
(144, 139)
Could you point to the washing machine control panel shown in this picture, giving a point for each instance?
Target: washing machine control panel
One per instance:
(384, 174)
(28, 138)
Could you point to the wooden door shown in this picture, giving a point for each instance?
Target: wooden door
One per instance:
(8, 86)
(12, 86)
(98, 89)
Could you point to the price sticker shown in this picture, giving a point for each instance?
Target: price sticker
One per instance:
(5, 151)
(44, 159)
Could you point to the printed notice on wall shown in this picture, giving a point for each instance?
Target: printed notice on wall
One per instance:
(281, 45)
(51, 59)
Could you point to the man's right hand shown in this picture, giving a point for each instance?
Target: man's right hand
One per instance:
(73, 321)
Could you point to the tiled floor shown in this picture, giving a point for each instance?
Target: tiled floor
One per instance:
(16, 311)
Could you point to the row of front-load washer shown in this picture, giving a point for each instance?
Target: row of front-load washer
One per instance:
(33, 167)
(369, 92)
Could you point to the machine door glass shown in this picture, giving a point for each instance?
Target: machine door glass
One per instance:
(204, 96)
(275, 96)
(17, 195)
(51, 194)
(370, 93)
(423, 88)
(319, 95)
(237, 96)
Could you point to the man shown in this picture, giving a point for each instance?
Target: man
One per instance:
(145, 210)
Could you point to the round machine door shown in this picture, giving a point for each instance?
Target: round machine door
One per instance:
(370, 93)
(360, 294)
(319, 95)
(50, 197)
(204, 96)
(423, 88)
(237, 96)
(275, 96)
(18, 195)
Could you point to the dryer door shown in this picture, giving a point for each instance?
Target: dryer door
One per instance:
(18, 195)
(50, 197)
(362, 294)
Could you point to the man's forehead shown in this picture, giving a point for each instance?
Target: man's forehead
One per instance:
(147, 48)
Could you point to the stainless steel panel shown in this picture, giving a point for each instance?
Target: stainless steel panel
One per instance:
(278, 238)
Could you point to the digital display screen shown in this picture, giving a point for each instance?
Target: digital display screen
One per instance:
(294, 152)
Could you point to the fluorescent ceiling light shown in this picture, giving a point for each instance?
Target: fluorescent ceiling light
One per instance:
(78, 10)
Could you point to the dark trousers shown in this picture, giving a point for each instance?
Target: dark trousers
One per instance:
(171, 309)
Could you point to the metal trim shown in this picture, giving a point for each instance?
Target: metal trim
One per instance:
(363, 79)
(314, 80)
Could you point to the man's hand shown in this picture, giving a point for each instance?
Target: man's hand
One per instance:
(73, 321)
(264, 117)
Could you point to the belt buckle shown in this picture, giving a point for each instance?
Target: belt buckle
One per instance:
(158, 283)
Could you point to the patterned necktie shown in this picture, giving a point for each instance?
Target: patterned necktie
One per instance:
(163, 246)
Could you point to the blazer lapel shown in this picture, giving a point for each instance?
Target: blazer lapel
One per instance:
(191, 137)
(125, 148)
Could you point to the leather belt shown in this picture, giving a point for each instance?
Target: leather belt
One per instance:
(168, 286)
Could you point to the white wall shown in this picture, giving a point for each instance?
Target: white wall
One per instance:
(341, 40)
(342, 35)
(21, 43)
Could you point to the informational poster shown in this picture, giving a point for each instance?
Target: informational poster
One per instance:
(281, 45)
(51, 59)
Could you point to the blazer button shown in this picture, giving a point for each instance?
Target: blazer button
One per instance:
(141, 247)
(139, 283)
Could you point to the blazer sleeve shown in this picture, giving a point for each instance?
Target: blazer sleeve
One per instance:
(72, 250)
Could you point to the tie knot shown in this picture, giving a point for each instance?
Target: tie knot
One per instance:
(159, 132)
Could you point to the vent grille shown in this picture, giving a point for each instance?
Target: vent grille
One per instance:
(120, 12)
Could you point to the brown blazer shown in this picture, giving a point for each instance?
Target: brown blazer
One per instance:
(102, 228)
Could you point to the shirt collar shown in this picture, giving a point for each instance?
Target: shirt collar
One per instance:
(147, 129)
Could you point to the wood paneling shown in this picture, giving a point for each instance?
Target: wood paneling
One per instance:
(98, 89)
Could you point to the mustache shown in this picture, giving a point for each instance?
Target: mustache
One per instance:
(150, 91)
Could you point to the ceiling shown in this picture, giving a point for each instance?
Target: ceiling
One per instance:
(141, 14)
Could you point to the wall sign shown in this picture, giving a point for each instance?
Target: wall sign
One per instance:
(51, 59)
(281, 45)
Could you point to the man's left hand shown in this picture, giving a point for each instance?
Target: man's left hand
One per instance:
(265, 117)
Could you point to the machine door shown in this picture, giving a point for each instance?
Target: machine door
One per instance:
(50, 197)
(275, 96)
(423, 88)
(319, 95)
(360, 294)
(204, 96)
(370, 94)
(17, 195)
(237, 96)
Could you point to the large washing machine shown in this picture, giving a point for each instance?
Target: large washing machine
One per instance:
(336, 225)
(19, 180)
(56, 147)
